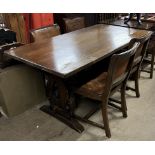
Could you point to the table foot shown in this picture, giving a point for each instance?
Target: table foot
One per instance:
(71, 122)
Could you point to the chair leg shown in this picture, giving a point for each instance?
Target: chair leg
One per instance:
(123, 101)
(137, 84)
(105, 119)
(152, 66)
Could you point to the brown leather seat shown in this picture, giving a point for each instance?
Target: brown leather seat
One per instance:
(94, 88)
(44, 33)
(103, 86)
(72, 24)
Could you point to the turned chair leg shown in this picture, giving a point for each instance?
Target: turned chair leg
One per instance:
(123, 101)
(105, 120)
(137, 87)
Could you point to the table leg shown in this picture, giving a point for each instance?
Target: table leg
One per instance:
(61, 103)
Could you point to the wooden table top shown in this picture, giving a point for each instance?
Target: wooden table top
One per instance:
(66, 54)
(146, 25)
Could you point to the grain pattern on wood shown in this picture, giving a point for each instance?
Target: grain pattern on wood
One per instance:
(67, 54)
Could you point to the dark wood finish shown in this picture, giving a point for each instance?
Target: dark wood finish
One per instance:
(67, 54)
(44, 33)
(108, 82)
(149, 57)
(90, 19)
(68, 57)
(72, 24)
(61, 102)
(140, 53)
(147, 24)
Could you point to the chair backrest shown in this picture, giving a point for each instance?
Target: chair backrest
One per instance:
(140, 53)
(44, 32)
(120, 68)
(72, 24)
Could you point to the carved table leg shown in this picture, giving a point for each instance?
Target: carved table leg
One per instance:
(61, 103)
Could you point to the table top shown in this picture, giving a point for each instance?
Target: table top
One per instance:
(67, 54)
(146, 25)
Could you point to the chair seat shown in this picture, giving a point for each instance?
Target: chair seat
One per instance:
(94, 88)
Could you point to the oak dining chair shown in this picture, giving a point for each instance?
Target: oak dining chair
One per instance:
(107, 83)
(72, 24)
(149, 57)
(139, 56)
(44, 33)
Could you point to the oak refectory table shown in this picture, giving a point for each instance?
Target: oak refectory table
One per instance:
(64, 57)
